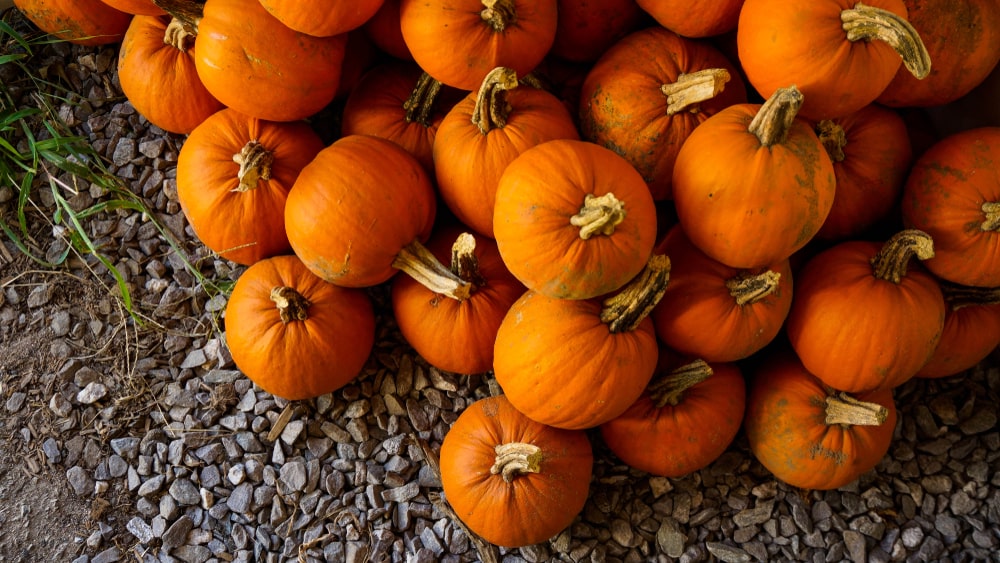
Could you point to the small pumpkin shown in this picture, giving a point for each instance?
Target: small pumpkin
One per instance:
(83, 22)
(136, 7)
(295, 335)
(685, 419)
(971, 330)
(322, 18)
(810, 435)
(585, 30)
(384, 31)
(511, 480)
(694, 19)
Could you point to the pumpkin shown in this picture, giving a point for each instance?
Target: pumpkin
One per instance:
(648, 92)
(359, 210)
(293, 334)
(511, 480)
(136, 7)
(452, 323)
(584, 30)
(863, 318)
(810, 435)
(384, 31)
(83, 22)
(715, 312)
(482, 133)
(234, 173)
(971, 330)
(871, 155)
(685, 419)
(459, 41)
(694, 19)
(753, 184)
(953, 193)
(580, 363)
(841, 54)
(157, 73)
(962, 38)
(573, 220)
(256, 65)
(322, 18)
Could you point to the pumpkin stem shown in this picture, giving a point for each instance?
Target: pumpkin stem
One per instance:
(532, 79)
(492, 108)
(865, 23)
(423, 266)
(748, 289)
(958, 296)
(599, 215)
(890, 262)
(848, 411)
(514, 459)
(694, 88)
(774, 119)
(464, 262)
(419, 105)
(833, 138)
(669, 389)
(255, 164)
(291, 304)
(187, 12)
(178, 35)
(499, 14)
(992, 211)
(626, 310)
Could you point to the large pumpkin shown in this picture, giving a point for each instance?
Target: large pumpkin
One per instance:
(322, 18)
(295, 335)
(511, 480)
(694, 19)
(971, 330)
(137, 7)
(84, 22)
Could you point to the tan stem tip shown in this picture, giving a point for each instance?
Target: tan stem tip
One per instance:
(599, 215)
(292, 306)
(848, 411)
(515, 459)
(694, 88)
(867, 23)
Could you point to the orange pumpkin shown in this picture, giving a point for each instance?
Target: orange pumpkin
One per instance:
(136, 7)
(971, 330)
(584, 30)
(322, 18)
(511, 480)
(573, 220)
(83, 22)
(694, 18)
(384, 31)
(809, 435)
(234, 173)
(685, 419)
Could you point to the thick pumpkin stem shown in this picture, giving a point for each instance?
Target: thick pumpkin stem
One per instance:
(848, 411)
(499, 14)
(492, 108)
(751, 288)
(187, 12)
(867, 23)
(992, 211)
(670, 388)
(958, 296)
(694, 88)
(292, 306)
(626, 310)
(890, 262)
(255, 164)
(515, 459)
(178, 35)
(464, 262)
(420, 104)
(599, 215)
(423, 266)
(833, 138)
(774, 119)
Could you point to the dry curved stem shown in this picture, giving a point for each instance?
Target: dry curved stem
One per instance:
(848, 411)
(599, 215)
(670, 388)
(255, 164)
(833, 138)
(693, 88)
(499, 14)
(992, 211)
(867, 23)
(514, 459)
(187, 12)
(775, 118)
(957, 296)
(750, 288)
(419, 106)
(890, 262)
(626, 310)
(292, 306)
(492, 109)
(178, 35)
(464, 262)
(423, 266)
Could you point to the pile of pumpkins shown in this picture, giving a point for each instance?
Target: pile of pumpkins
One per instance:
(604, 203)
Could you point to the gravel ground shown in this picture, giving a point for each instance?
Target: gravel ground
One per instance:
(126, 441)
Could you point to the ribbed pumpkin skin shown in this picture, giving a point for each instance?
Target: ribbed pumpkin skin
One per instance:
(255, 64)
(355, 206)
(785, 425)
(322, 18)
(532, 507)
(694, 18)
(303, 358)
(944, 195)
(137, 7)
(83, 22)
(241, 226)
(161, 81)
(970, 333)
